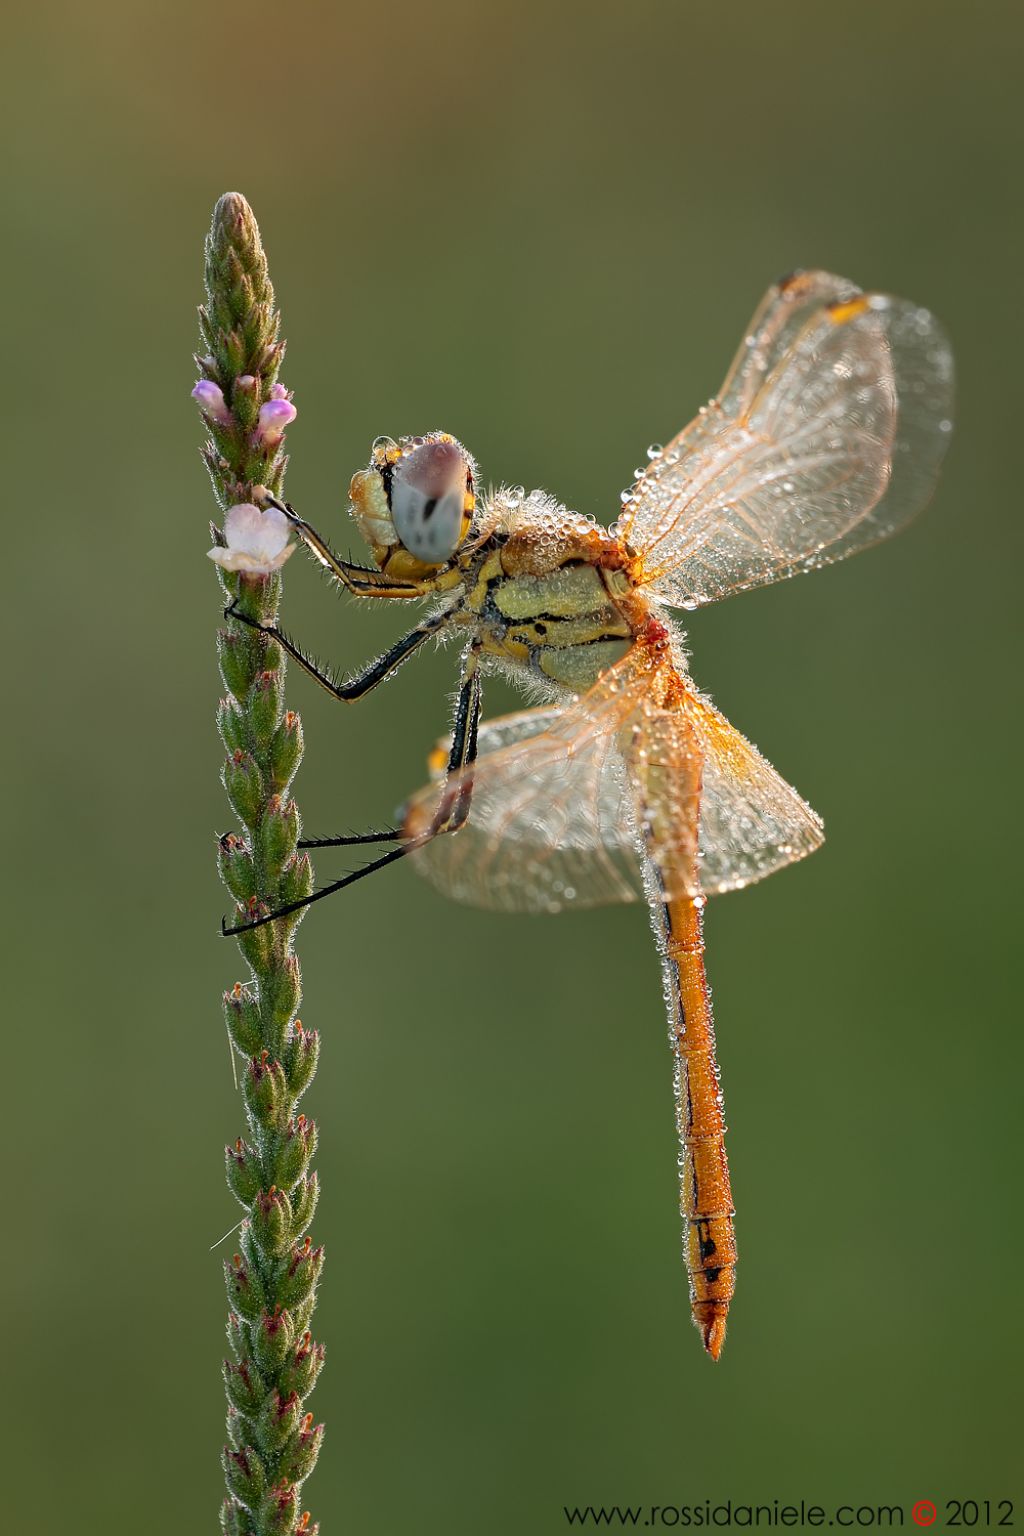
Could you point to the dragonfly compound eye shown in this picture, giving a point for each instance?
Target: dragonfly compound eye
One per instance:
(431, 496)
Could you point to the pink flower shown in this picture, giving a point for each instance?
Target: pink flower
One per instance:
(257, 542)
(210, 399)
(275, 415)
(279, 393)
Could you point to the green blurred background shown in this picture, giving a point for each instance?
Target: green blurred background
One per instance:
(543, 228)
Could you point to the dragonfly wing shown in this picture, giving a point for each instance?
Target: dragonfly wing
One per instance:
(550, 823)
(827, 437)
(564, 798)
(715, 816)
(751, 821)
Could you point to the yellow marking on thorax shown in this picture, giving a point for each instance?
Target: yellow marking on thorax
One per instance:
(571, 591)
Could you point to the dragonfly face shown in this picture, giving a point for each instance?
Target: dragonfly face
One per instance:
(415, 503)
(826, 436)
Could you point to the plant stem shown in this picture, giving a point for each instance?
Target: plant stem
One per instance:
(272, 1441)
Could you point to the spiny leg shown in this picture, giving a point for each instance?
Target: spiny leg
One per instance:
(387, 835)
(360, 579)
(453, 808)
(451, 813)
(363, 682)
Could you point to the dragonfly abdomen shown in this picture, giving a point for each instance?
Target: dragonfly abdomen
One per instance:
(705, 1194)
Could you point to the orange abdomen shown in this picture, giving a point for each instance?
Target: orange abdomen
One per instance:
(705, 1196)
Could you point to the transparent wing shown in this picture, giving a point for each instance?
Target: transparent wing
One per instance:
(827, 436)
(561, 797)
(550, 822)
(751, 821)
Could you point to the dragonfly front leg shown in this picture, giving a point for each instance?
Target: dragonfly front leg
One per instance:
(361, 580)
(363, 682)
(451, 814)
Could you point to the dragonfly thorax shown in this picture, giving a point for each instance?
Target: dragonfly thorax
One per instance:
(414, 503)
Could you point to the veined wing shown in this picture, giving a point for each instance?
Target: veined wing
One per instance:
(550, 822)
(561, 796)
(751, 821)
(827, 437)
(715, 814)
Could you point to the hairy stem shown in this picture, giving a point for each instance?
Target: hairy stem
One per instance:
(272, 1280)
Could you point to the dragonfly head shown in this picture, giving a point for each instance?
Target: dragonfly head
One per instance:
(414, 503)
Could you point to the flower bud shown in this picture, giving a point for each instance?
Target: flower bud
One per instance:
(285, 751)
(245, 1289)
(273, 1340)
(245, 397)
(266, 1091)
(295, 1152)
(244, 784)
(277, 1422)
(299, 1456)
(303, 1366)
(275, 415)
(278, 833)
(243, 1171)
(233, 352)
(301, 1054)
(245, 1390)
(210, 399)
(256, 944)
(237, 661)
(236, 866)
(265, 704)
(232, 726)
(243, 1019)
(283, 992)
(245, 1476)
(296, 882)
(304, 1203)
(278, 1510)
(271, 1222)
(297, 1283)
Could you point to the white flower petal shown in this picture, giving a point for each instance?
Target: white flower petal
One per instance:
(250, 565)
(257, 542)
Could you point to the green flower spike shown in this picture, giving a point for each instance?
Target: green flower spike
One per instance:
(271, 1282)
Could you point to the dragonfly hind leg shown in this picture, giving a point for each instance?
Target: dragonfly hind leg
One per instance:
(451, 813)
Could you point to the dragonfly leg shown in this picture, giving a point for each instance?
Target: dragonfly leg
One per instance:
(363, 581)
(453, 808)
(363, 682)
(450, 816)
(349, 840)
(326, 890)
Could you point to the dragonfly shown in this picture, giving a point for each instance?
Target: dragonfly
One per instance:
(621, 781)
